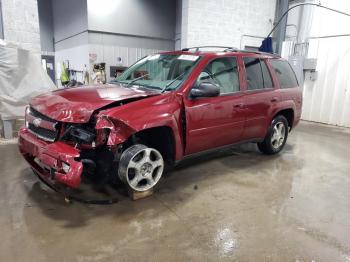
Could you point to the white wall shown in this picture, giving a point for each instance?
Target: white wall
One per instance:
(178, 24)
(223, 22)
(109, 53)
(69, 18)
(327, 100)
(46, 25)
(110, 29)
(21, 23)
(151, 18)
(76, 50)
(130, 30)
(70, 26)
(1, 25)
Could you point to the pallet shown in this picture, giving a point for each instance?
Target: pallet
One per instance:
(134, 195)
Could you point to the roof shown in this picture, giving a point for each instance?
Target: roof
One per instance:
(200, 50)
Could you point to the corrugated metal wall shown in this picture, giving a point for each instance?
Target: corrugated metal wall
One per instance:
(323, 35)
(110, 53)
(327, 100)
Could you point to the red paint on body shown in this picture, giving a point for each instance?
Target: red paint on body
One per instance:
(210, 122)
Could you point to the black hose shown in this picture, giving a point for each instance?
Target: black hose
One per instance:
(317, 5)
(78, 199)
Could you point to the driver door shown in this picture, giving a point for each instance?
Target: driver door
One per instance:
(216, 121)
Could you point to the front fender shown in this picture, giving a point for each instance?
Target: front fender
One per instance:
(127, 120)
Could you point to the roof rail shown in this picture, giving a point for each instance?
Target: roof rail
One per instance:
(198, 48)
(229, 49)
(258, 52)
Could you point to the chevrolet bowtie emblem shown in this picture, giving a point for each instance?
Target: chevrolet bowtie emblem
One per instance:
(37, 122)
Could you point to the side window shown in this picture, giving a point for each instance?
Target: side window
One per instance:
(224, 73)
(285, 73)
(254, 74)
(266, 75)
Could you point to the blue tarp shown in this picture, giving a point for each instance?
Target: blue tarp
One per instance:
(266, 45)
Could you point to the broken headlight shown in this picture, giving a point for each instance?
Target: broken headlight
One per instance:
(79, 135)
(27, 112)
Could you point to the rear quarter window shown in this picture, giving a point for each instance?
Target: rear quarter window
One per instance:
(285, 73)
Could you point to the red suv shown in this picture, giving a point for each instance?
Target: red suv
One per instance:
(161, 109)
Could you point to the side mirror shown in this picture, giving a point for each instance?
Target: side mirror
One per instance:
(205, 89)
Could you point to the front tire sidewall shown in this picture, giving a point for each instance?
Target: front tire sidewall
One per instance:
(126, 157)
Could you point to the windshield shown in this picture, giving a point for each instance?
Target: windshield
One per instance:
(163, 72)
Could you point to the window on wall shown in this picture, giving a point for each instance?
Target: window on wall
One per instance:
(285, 73)
(224, 73)
(257, 74)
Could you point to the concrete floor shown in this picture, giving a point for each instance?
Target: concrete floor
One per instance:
(234, 205)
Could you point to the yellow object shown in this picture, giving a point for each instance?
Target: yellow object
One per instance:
(64, 74)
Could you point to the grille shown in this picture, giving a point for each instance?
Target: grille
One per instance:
(41, 132)
(35, 113)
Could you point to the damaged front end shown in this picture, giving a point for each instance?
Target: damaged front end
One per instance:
(68, 153)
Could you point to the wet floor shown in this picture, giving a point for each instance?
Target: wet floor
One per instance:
(236, 205)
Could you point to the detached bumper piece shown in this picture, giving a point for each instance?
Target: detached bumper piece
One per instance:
(53, 162)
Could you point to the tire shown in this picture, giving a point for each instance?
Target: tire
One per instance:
(276, 136)
(141, 167)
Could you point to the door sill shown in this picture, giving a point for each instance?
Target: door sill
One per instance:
(212, 150)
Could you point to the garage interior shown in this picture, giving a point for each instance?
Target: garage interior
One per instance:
(231, 205)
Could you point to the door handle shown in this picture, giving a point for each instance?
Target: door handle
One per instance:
(274, 99)
(240, 105)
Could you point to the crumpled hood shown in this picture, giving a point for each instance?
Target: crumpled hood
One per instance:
(76, 105)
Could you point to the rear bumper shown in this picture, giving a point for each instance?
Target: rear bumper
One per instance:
(297, 118)
(47, 159)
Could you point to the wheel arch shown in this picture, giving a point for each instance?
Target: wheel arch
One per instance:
(288, 113)
(161, 138)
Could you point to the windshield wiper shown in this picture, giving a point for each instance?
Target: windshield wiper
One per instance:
(172, 81)
(136, 79)
(116, 81)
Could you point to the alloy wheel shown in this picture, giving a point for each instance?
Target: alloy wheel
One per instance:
(278, 135)
(143, 169)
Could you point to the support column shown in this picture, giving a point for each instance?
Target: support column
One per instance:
(280, 33)
(1, 24)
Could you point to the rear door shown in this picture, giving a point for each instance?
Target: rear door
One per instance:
(216, 121)
(260, 95)
(288, 84)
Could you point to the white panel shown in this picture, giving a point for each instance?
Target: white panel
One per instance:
(109, 58)
(144, 52)
(345, 120)
(132, 55)
(77, 56)
(123, 53)
(327, 99)
(98, 51)
(109, 54)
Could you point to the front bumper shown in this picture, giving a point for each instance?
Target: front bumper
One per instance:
(47, 159)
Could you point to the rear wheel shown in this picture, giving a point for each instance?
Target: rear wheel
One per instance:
(141, 167)
(276, 136)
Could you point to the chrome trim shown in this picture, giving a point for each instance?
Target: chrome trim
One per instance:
(41, 137)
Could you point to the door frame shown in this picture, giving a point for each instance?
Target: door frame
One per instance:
(188, 102)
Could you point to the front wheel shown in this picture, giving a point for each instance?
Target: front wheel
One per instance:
(141, 167)
(276, 136)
